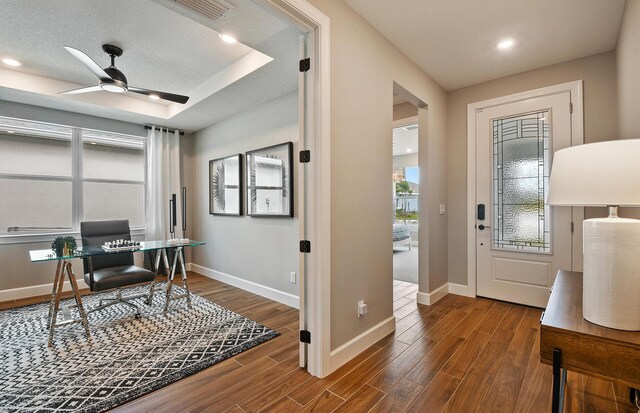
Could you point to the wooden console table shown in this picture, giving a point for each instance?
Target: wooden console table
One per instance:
(569, 342)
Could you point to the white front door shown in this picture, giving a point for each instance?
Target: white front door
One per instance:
(521, 242)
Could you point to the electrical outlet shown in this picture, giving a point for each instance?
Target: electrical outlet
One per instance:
(292, 277)
(362, 308)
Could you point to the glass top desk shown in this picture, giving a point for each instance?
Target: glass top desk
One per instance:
(64, 267)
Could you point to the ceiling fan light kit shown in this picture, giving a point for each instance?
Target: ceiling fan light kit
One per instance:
(112, 80)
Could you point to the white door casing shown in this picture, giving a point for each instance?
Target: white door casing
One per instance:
(317, 220)
(499, 267)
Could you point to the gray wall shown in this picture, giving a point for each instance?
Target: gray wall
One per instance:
(600, 123)
(404, 111)
(261, 250)
(405, 161)
(628, 67)
(17, 269)
(364, 66)
(37, 113)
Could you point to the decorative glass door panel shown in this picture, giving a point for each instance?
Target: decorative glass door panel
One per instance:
(521, 167)
(521, 242)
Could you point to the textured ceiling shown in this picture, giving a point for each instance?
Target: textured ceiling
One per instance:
(271, 81)
(162, 50)
(454, 41)
(165, 48)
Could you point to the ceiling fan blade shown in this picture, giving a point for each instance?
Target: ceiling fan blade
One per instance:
(162, 95)
(89, 63)
(81, 90)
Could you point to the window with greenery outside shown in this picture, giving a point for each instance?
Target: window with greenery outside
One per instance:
(404, 210)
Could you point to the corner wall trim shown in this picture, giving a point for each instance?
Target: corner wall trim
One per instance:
(434, 296)
(267, 292)
(361, 342)
(437, 294)
(34, 290)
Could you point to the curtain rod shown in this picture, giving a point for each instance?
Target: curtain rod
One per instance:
(157, 127)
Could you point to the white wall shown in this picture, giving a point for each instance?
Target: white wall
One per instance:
(258, 250)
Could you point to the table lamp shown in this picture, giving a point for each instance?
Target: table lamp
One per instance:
(604, 174)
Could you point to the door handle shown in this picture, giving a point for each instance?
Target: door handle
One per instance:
(481, 227)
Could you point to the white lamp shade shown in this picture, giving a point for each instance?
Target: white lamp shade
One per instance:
(596, 174)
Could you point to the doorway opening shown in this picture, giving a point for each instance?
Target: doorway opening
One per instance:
(406, 199)
(406, 192)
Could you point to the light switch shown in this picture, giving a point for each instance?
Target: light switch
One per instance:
(442, 210)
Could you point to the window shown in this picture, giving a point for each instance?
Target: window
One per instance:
(54, 177)
(406, 195)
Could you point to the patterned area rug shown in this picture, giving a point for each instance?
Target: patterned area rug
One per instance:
(125, 358)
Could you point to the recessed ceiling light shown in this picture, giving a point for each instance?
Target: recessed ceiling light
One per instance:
(409, 150)
(11, 62)
(10, 131)
(227, 38)
(154, 97)
(506, 44)
(93, 143)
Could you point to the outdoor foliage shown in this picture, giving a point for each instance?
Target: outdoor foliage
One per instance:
(403, 192)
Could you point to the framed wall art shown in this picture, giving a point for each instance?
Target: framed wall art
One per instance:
(270, 181)
(225, 186)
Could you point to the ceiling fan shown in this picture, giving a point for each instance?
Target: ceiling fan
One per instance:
(113, 80)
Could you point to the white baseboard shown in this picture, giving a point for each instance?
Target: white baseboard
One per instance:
(439, 293)
(267, 292)
(358, 344)
(434, 296)
(34, 291)
(459, 289)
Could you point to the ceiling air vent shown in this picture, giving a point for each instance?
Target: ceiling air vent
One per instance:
(213, 9)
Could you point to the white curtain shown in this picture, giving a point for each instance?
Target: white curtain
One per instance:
(163, 166)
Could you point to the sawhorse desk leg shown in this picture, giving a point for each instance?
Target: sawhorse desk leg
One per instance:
(64, 267)
(178, 257)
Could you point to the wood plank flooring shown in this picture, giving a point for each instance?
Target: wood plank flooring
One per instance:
(459, 355)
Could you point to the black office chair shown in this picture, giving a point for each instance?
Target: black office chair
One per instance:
(114, 270)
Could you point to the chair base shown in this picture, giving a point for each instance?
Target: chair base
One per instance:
(119, 299)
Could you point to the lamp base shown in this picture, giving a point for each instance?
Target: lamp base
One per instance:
(611, 285)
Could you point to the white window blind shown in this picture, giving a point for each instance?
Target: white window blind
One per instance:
(53, 177)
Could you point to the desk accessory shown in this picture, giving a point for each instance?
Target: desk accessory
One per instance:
(121, 245)
(184, 210)
(64, 246)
